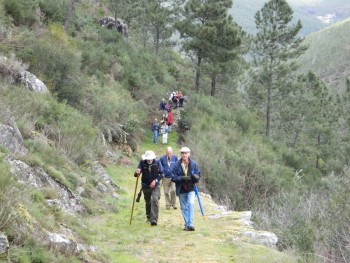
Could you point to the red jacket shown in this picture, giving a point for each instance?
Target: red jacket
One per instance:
(170, 118)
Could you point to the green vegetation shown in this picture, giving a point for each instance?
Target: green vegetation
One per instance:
(104, 92)
(329, 61)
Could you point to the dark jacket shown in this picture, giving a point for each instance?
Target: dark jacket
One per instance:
(150, 172)
(155, 126)
(185, 184)
(166, 167)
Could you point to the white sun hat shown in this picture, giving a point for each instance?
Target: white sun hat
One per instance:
(149, 155)
(185, 150)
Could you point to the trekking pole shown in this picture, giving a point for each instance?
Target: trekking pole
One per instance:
(133, 202)
(199, 200)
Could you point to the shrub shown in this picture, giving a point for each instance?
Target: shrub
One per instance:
(57, 64)
(23, 12)
(10, 68)
(8, 196)
(54, 10)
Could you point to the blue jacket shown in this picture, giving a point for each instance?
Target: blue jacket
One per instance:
(166, 167)
(182, 185)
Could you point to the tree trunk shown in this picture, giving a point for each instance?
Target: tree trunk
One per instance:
(317, 156)
(213, 85)
(198, 70)
(268, 112)
(69, 14)
(157, 40)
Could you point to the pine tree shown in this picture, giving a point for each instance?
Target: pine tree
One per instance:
(309, 118)
(201, 24)
(275, 44)
(226, 46)
(156, 19)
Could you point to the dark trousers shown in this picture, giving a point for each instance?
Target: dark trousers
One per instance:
(152, 197)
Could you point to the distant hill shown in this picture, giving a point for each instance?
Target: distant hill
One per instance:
(329, 54)
(314, 14)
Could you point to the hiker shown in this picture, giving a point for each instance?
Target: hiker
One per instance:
(164, 132)
(162, 105)
(175, 100)
(168, 162)
(181, 99)
(170, 119)
(155, 130)
(186, 174)
(152, 172)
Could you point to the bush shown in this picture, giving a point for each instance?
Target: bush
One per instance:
(67, 129)
(9, 195)
(23, 12)
(54, 10)
(11, 68)
(57, 64)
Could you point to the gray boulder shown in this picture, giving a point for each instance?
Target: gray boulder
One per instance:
(4, 244)
(245, 227)
(264, 238)
(11, 138)
(31, 82)
(38, 178)
(105, 184)
(111, 23)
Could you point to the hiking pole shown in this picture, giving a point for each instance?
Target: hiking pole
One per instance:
(199, 200)
(133, 202)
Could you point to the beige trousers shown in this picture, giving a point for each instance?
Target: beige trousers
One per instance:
(169, 192)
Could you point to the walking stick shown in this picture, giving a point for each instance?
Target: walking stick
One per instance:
(199, 200)
(133, 202)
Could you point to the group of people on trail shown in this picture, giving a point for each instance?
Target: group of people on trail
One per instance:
(175, 99)
(179, 177)
(163, 127)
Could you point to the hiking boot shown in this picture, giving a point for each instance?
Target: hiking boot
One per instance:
(153, 223)
(175, 207)
(168, 208)
(190, 228)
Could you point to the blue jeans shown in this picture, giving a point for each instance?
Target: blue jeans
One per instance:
(155, 136)
(187, 207)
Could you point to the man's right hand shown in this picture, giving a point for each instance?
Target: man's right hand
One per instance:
(137, 172)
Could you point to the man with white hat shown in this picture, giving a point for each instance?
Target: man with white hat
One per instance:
(186, 174)
(152, 172)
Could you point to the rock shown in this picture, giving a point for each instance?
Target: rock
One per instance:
(38, 178)
(102, 188)
(102, 176)
(244, 227)
(4, 244)
(11, 138)
(31, 82)
(245, 218)
(61, 243)
(264, 238)
(118, 24)
(66, 242)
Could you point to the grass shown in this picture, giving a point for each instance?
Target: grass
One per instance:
(215, 240)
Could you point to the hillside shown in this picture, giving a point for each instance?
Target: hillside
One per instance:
(77, 99)
(329, 55)
(313, 14)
